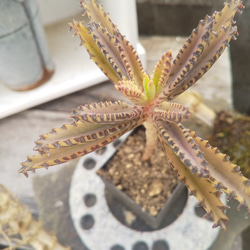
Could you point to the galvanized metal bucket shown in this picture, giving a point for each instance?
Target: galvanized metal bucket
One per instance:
(25, 61)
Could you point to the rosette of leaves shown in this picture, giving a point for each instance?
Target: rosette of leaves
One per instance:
(205, 171)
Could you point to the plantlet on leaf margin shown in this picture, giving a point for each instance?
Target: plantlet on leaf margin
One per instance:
(204, 170)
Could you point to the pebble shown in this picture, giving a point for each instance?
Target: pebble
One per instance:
(111, 171)
(127, 150)
(129, 165)
(155, 188)
(131, 156)
(143, 191)
(129, 217)
(153, 211)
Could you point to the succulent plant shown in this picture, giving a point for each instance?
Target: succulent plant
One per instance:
(205, 171)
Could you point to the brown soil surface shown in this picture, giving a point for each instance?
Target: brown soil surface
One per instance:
(149, 183)
(231, 135)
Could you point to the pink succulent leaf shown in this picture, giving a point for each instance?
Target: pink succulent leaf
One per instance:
(96, 14)
(130, 59)
(225, 175)
(57, 151)
(181, 142)
(99, 57)
(91, 130)
(201, 50)
(107, 112)
(202, 188)
(172, 112)
(162, 71)
(126, 58)
(106, 44)
(132, 92)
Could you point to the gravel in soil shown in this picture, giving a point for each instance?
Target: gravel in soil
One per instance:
(149, 183)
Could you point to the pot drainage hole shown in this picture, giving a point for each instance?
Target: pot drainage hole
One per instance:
(117, 142)
(87, 222)
(117, 247)
(160, 245)
(89, 163)
(89, 200)
(140, 246)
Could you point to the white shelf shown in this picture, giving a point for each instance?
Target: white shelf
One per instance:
(73, 71)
